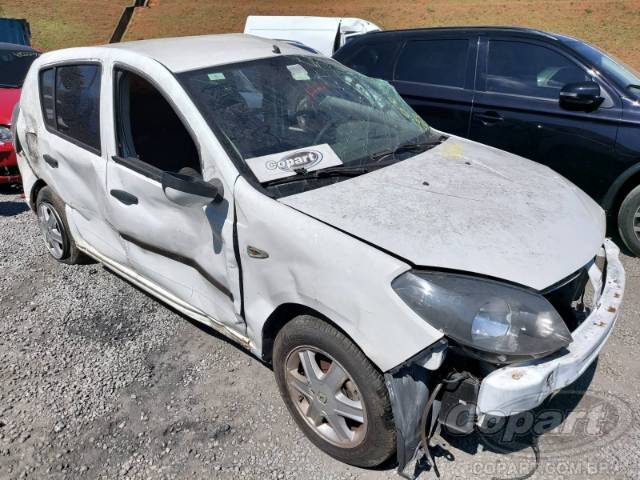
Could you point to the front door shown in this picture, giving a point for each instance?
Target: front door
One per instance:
(517, 109)
(185, 252)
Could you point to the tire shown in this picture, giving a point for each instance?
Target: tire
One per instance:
(627, 221)
(372, 441)
(50, 211)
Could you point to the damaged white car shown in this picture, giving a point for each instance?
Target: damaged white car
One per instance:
(308, 213)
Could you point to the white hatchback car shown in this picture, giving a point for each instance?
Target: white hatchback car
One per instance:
(308, 213)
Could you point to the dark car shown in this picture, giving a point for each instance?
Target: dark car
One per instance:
(15, 30)
(547, 97)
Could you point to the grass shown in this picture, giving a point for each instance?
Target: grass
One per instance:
(66, 23)
(613, 25)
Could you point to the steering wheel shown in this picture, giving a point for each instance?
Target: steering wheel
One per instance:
(324, 129)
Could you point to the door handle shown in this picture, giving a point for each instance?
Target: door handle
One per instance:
(124, 197)
(489, 118)
(52, 162)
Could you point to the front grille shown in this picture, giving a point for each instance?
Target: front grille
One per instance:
(566, 297)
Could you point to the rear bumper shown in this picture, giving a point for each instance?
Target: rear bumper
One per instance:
(518, 388)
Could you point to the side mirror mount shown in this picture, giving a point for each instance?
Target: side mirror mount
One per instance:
(582, 96)
(190, 191)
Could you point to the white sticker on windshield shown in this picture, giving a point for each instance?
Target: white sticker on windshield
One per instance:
(298, 72)
(285, 164)
(216, 76)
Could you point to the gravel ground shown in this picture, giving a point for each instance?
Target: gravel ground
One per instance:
(98, 380)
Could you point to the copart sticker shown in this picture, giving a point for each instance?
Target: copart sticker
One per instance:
(285, 164)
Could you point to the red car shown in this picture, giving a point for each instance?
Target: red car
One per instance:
(15, 61)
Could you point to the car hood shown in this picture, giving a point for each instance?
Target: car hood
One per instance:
(467, 207)
(8, 99)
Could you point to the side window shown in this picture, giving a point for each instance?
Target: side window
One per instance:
(437, 62)
(78, 103)
(47, 82)
(149, 129)
(374, 60)
(530, 70)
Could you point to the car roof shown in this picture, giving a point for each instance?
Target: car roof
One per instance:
(181, 54)
(473, 30)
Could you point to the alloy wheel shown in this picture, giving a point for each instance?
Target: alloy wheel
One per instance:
(636, 223)
(52, 229)
(326, 396)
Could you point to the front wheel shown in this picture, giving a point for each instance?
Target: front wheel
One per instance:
(334, 393)
(629, 221)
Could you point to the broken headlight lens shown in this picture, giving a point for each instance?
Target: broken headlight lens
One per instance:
(484, 314)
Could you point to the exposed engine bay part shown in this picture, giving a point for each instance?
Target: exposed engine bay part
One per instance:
(458, 403)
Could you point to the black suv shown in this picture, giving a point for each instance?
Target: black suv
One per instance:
(547, 97)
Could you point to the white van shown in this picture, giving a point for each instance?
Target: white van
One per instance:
(323, 34)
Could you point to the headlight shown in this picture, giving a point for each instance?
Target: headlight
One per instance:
(5, 134)
(484, 314)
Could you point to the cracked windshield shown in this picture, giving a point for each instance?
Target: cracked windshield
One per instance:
(272, 107)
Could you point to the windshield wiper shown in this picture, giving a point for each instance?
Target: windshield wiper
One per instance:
(6, 85)
(634, 86)
(408, 147)
(303, 174)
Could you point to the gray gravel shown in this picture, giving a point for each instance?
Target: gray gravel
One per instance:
(98, 380)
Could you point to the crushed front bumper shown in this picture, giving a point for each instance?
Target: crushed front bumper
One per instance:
(518, 388)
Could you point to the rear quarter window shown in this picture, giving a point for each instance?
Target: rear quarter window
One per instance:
(47, 86)
(70, 100)
(78, 103)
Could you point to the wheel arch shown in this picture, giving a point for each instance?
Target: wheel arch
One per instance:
(35, 189)
(620, 188)
(282, 315)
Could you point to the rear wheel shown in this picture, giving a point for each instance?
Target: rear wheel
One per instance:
(334, 393)
(54, 228)
(629, 221)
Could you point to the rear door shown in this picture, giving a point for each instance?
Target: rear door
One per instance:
(434, 73)
(517, 109)
(70, 144)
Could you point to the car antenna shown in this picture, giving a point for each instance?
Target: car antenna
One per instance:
(276, 49)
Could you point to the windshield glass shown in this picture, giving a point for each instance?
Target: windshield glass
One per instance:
(14, 65)
(283, 103)
(622, 74)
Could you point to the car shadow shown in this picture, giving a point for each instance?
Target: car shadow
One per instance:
(200, 326)
(13, 207)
